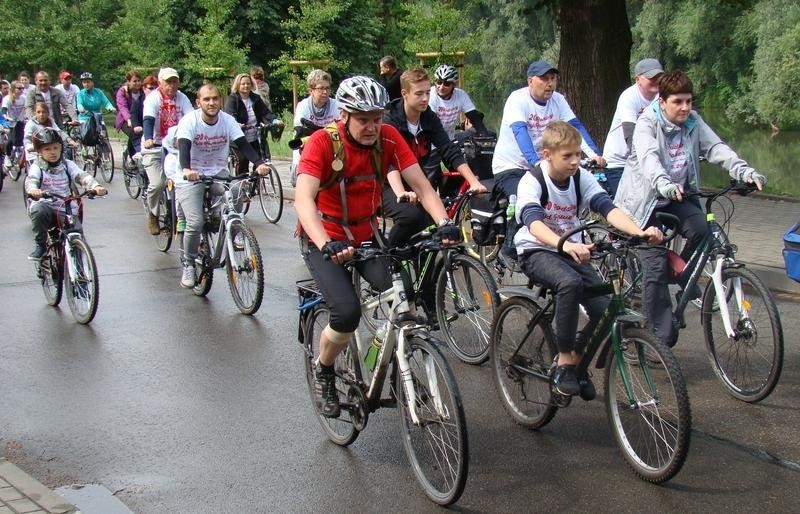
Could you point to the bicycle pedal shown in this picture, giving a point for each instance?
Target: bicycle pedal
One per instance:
(389, 403)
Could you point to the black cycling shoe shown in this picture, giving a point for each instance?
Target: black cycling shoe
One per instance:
(587, 390)
(325, 395)
(37, 253)
(565, 381)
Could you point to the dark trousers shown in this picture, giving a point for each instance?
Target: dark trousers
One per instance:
(506, 182)
(656, 302)
(134, 139)
(336, 285)
(613, 176)
(407, 218)
(243, 162)
(567, 279)
(15, 137)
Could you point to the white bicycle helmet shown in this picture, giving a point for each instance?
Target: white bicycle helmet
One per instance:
(361, 94)
(446, 72)
(86, 76)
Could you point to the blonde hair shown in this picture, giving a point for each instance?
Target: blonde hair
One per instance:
(558, 134)
(412, 76)
(317, 76)
(237, 81)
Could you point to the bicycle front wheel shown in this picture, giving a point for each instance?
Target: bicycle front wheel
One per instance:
(245, 269)
(750, 362)
(165, 222)
(82, 282)
(436, 441)
(16, 169)
(51, 276)
(106, 160)
(339, 430)
(648, 406)
(132, 185)
(521, 355)
(466, 298)
(270, 195)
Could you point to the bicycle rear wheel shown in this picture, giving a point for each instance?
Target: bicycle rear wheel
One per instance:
(166, 222)
(132, 185)
(82, 282)
(521, 356)
(51, 276)
(245, 270)
(749, 364)
(647, 405)
(203, 265)
(464, 221)
(436, 444)
(466, 299)
(270, 195)
(106, 160)
(339, 430)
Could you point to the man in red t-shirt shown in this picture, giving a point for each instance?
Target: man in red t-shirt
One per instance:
(335, 221)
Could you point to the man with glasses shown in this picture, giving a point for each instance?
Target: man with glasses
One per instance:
(448, 101)
(55, 100)
(630, 105)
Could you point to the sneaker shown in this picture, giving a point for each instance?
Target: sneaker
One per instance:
(7, 162)
(152, 224)
(565, 381)
(587, 390)
(188, 279)
(325, 395)
(37, 253)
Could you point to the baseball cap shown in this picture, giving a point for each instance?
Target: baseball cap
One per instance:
(167, 73)
(648, 67)
(65, 75)
(539, 68)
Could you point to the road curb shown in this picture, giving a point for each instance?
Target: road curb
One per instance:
(20, 492)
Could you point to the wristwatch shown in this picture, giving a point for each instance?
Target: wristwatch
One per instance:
(445, 221)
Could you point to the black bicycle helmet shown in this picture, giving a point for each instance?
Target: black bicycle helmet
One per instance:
(87, 76)
(46, 136)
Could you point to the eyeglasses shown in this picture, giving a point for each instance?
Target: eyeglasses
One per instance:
(321, 88)
(444, 83)
(149, 87)
(19, 88)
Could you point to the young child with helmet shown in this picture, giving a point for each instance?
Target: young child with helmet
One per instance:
(51, 172)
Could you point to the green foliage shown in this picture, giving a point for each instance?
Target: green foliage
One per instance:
(146, 47)
(438, 27)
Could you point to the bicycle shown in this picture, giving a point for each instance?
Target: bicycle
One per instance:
(136, 185)
(268, 187)
(73, 152)
(465, 295)
(646, 399)
(232, 245)
(19, 163)
(421, 385)
(740, 319)
(68, 262)
(99, 156)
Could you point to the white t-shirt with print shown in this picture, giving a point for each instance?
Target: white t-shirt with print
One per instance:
(561, 211)
(210, 143)
(71, 93)
(14, 108)
(152, 105)
(630, 105)
(520, 106)
(448, 110)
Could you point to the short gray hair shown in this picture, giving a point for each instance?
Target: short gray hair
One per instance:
(317, 76)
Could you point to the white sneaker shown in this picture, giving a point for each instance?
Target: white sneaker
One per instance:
(188, 279)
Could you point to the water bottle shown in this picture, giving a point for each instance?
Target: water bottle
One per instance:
(371, 358)
(511, 209)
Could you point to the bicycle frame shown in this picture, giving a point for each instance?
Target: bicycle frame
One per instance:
(229, 215)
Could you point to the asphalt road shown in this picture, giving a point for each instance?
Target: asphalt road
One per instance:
(181, 404)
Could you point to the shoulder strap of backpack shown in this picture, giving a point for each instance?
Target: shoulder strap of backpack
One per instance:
(337, 165)
(538, 174)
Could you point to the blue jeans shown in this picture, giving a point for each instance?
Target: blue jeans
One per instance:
(567, 279)
(613, 176)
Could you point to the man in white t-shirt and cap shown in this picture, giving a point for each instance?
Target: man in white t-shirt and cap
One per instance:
(630, 105)
(162, 109)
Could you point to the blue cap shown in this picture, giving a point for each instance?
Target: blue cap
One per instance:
(539, 68)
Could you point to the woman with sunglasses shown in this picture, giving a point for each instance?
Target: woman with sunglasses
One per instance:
(13, 110)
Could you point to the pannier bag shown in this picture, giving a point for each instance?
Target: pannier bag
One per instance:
(488, 217)
(791, 252)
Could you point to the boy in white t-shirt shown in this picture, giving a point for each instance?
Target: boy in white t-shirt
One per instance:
(569, 273)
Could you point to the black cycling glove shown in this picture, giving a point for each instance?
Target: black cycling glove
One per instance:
(450, 232)
(331, 248)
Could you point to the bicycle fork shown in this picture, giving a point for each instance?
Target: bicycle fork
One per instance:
(742, 305)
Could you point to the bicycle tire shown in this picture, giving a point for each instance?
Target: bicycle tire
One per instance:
(233, 162)
(341, 430)
(248, 192)
(83, 289)
(246, 274)
(106, 156)
(132, 184)
(204, 270)
(50, 271)
(464, 220)
(652, 427)
(522, 381)
(466, 300)
(89, 166)
(15, 171)
(437, 447)
(2, 178)
(270, 195)
(166, 222)
(750, 364)
(77, 153)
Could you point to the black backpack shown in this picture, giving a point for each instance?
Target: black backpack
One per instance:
(90, 132)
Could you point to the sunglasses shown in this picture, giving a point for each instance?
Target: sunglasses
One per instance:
(444, 83)
(321, 88)
(19, 88)
(149, 87)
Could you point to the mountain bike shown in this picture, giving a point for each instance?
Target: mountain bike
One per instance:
(421, 383)
(740, 319)
(231, 245)
(68, 262)
(465, 295)
(646, 399)
(267, 188)
(99, 156)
